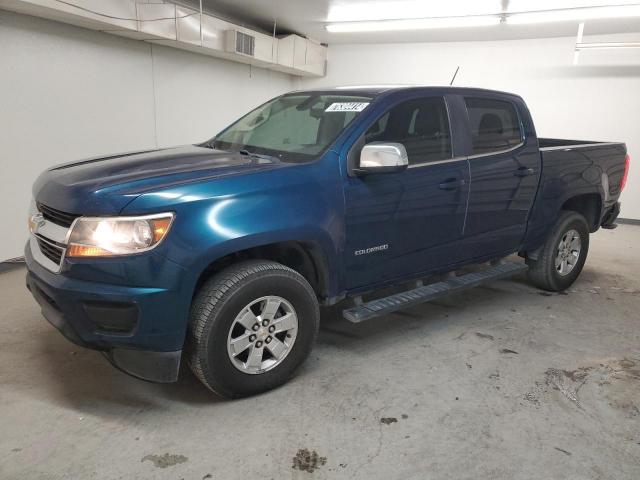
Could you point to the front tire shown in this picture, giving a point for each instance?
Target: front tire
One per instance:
(561, 258)
(251, 326)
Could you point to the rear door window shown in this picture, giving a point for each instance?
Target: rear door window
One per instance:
(495, 125)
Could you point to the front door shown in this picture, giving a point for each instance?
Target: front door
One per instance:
(403, 223)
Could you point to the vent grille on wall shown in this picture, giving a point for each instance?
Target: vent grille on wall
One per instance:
(240, 43)
(245, 44)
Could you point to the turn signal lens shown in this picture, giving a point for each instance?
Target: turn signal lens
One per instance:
(75, 250)
(160, 228)
(110, 236)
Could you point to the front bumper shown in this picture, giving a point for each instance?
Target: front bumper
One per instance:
(140, 330)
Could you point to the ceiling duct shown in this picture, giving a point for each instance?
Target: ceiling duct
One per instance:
(166, 23)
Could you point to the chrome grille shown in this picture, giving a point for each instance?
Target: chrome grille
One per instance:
(58, 217)
(50, 250)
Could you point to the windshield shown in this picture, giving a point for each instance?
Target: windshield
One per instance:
(296, 127)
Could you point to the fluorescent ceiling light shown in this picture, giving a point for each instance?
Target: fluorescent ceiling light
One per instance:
(414, 24)
(410, 9)
(543, 5)
(573, 14)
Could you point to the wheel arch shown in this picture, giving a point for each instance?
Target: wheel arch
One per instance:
(589, 205)
(305, 257)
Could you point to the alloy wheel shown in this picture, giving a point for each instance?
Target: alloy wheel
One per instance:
(262, 335)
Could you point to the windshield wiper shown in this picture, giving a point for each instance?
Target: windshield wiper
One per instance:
(243, 151)
(257, 155)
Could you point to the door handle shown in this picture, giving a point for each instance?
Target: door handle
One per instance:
(452, 184)
(524, 172)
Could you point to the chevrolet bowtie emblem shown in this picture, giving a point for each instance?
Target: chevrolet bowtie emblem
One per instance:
(37, 221)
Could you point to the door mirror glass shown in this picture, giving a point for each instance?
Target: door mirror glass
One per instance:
(382, 157)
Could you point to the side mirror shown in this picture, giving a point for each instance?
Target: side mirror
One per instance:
(382, 157)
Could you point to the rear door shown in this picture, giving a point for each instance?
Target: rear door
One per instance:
(407, 222)
(504, 161)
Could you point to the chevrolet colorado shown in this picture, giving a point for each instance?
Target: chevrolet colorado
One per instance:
(221, 253)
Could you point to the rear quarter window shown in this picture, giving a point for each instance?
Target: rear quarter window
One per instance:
(495, 125)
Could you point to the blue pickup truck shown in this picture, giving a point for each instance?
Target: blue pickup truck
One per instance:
(222, 253)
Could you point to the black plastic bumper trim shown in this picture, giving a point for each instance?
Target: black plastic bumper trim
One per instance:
(112, 318)
(158, 367)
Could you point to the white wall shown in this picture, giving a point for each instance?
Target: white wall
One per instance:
(67, 93)
(597, 100)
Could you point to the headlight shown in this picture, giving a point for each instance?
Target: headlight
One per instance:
(110, 236)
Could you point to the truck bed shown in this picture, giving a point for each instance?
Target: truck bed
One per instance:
(583, 166)
(576, 167)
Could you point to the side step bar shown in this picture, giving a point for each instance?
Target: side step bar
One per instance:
(426, 293)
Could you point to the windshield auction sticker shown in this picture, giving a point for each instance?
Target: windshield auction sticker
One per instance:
(347, 107)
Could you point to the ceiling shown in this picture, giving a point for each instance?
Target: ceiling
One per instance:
(309, 17)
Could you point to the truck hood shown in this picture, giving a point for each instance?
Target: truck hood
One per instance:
(105, 185)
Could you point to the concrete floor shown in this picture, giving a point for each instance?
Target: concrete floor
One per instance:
(502, 382)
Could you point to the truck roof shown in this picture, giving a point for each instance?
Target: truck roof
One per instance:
(374, 90)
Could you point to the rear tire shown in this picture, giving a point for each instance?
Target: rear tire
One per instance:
(561, 258)
(251, 326)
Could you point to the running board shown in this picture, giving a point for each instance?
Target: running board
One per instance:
(426, 293)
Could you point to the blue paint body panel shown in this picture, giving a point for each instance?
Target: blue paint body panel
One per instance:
(226, 202)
